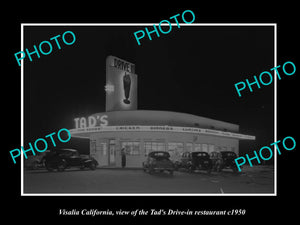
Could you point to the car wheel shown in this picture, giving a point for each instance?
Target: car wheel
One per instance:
(61, 167)
(48, 167)
(35, 165)
(209, 171)
(82, 167)
(191, 169)
(92, 166)
(176, 166)
(234, 169)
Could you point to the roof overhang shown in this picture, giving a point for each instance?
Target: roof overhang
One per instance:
(85, 132)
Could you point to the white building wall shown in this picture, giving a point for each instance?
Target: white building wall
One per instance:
(100, 148)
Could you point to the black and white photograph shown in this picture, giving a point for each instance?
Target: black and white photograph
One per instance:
(163, 117)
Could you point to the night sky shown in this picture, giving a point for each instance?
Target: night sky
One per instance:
(192, 69)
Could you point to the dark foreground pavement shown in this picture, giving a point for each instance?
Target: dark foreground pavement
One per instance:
(252, 180)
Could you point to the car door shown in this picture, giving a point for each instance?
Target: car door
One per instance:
(74, 159)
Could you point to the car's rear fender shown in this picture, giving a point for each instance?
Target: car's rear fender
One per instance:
(163, 164)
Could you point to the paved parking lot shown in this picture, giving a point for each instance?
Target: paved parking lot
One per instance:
(259, 179)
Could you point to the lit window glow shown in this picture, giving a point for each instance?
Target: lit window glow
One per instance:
(109, 88)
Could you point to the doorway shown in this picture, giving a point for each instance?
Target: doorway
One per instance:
(112, 152)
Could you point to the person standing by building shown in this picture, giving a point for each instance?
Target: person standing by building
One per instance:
(123, 157)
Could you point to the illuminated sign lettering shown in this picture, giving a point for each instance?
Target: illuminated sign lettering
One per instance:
(123, 65)
(91, 121)
(193, 130)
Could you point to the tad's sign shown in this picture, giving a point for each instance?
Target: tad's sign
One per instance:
(91, 121)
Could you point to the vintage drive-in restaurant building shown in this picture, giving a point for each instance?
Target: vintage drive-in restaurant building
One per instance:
(139, 132)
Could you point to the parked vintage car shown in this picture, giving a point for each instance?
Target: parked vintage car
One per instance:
(195, 161)
(34, 162)
(158, 161)
(223, 160)
(62, 159)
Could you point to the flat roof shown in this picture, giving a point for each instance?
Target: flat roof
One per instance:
(86, 132)
(164, 118)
